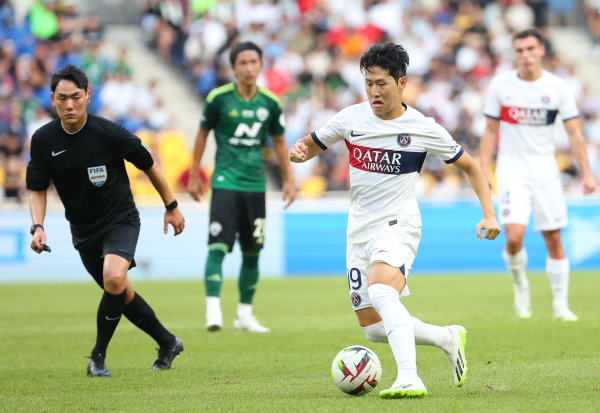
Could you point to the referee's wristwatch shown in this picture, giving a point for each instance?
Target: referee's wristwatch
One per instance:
(172, 205)
(34, 226)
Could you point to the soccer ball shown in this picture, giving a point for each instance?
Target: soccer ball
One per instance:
(356, 370)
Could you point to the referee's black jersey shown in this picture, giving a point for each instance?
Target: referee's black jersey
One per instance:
(88, 171)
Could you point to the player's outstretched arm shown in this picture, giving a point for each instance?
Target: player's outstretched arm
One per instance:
(304, 149)
(172, 216)
(289, 183)
(195, 184)
(37, 207)
(480, 185)
(580, 152)
(487, 144)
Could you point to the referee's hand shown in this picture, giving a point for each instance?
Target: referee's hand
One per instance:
(38, 241)
(176, 219)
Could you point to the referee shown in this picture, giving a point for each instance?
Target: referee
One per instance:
(84, 157)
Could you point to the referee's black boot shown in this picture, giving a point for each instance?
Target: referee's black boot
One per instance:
(96, 367)
(166, 355)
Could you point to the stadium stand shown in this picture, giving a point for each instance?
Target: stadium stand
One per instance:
(311, 54)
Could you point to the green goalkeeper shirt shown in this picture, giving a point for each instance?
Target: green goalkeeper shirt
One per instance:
(241, 129)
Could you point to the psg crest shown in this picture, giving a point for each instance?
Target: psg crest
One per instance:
(403, 139)
(355, 299)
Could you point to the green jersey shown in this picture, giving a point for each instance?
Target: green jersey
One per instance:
(241, 130)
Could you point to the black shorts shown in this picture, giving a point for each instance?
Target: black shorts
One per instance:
(121, 241)
(237, 212)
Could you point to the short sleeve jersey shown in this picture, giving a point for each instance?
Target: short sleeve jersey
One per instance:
(88, 172)
(241, 128)
(386, 157)
(527, 111)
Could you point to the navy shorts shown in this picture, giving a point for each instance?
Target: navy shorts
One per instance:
(237, 213)
(121, 241)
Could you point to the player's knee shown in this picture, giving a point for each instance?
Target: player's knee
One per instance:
(250, 252)
(514, 238)
(114, 281)
(376, 332)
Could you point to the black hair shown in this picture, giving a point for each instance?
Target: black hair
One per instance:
(72, 73)
(243, 46)
(527, 33)
(389, 56)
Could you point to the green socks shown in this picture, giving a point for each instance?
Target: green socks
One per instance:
(213, 274)
(248, 276)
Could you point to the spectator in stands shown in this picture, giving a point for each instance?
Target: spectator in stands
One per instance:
(13, 163)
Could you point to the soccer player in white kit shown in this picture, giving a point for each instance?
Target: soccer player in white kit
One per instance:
(522, 105)
(387, 142)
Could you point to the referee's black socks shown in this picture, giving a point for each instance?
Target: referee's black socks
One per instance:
(110, 311)
(142, 316)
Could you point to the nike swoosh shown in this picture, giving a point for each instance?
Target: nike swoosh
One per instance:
(112, 319)
(356, 134)
(57, 153)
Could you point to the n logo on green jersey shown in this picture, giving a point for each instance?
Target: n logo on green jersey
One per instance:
(249, 131)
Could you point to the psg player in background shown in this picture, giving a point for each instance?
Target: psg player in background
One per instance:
(522, 105)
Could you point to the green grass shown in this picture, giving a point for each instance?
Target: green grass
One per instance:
(536, 365)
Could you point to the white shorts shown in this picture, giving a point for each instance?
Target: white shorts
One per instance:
(394, 245)
(517, 200)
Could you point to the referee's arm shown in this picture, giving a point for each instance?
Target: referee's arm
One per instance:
(37, 207)
(172, 216)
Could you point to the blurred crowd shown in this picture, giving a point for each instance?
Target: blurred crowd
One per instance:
(311, 54)
(52, 34)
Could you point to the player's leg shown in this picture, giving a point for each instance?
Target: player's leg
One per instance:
(119, 249)
(252, 233)
(550, 215)
(451, 339)
(141, 315)
(221, 237)
(515, 206)
(557, 269)
(376, 281)
(385, 284)
(110, 308)
(515, 258)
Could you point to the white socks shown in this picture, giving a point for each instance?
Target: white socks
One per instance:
(516, 265)
(431, 335)
(425, 334)
(558, 275)
(376, 332)
(244, 310)
(398, 326)
(213, 304)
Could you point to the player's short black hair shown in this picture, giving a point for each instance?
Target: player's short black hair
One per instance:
(390, 56)
(72, 73)
(533, 32)
(243, 46)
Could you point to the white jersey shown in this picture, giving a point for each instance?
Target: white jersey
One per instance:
(527, 111)
(386, 157)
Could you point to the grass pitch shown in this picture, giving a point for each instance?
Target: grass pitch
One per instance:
(536, 365)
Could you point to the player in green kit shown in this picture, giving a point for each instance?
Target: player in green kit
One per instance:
(241, 114)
